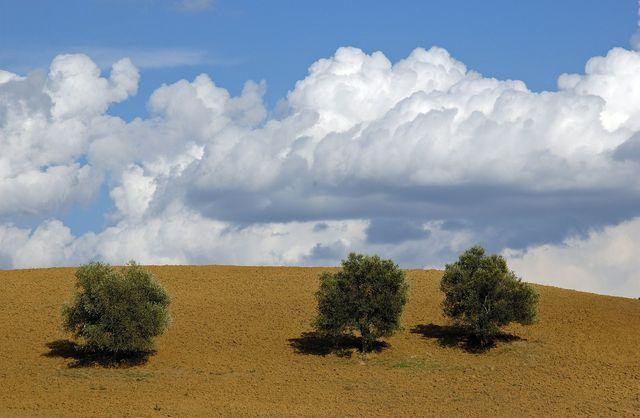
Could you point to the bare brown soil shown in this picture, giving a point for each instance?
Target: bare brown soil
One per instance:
(237, 347)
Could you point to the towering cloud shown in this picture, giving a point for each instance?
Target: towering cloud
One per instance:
(415, 159)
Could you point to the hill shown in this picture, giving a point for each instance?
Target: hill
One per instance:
(237, 348)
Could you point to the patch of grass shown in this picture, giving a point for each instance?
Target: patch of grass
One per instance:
(410, 363)
(344, 352)
(75, 373)
(421, 364)
(135, 375)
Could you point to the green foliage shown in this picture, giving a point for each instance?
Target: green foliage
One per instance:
(367, 295)
(482, 294)
(117, 312)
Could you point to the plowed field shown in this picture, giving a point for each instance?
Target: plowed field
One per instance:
(237, 347)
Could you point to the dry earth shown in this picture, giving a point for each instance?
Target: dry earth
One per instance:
(234, 349)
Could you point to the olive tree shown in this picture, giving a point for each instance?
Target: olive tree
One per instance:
(117, 312)
(367, 296)
(482, 294)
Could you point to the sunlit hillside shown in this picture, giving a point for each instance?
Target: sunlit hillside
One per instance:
(238, 347)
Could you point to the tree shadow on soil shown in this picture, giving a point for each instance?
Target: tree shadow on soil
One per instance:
(86, 358)
(456, 336)
(316, 344)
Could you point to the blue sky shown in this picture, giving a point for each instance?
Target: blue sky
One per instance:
(276, 41)
(273, 132)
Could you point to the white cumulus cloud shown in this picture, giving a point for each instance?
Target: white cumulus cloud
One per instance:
(45, 127)
(414, 159)
(604, 261)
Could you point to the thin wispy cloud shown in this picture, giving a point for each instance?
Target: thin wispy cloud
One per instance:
(104, 56)
(194, 5)
(152, 58)
(188, 6)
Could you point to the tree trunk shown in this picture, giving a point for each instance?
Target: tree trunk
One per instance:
(366, 338)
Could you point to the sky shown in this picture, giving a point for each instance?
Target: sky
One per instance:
(291, 133)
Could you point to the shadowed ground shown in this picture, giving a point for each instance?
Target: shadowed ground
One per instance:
(83, 358)
(456, 336)
(313, 343)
